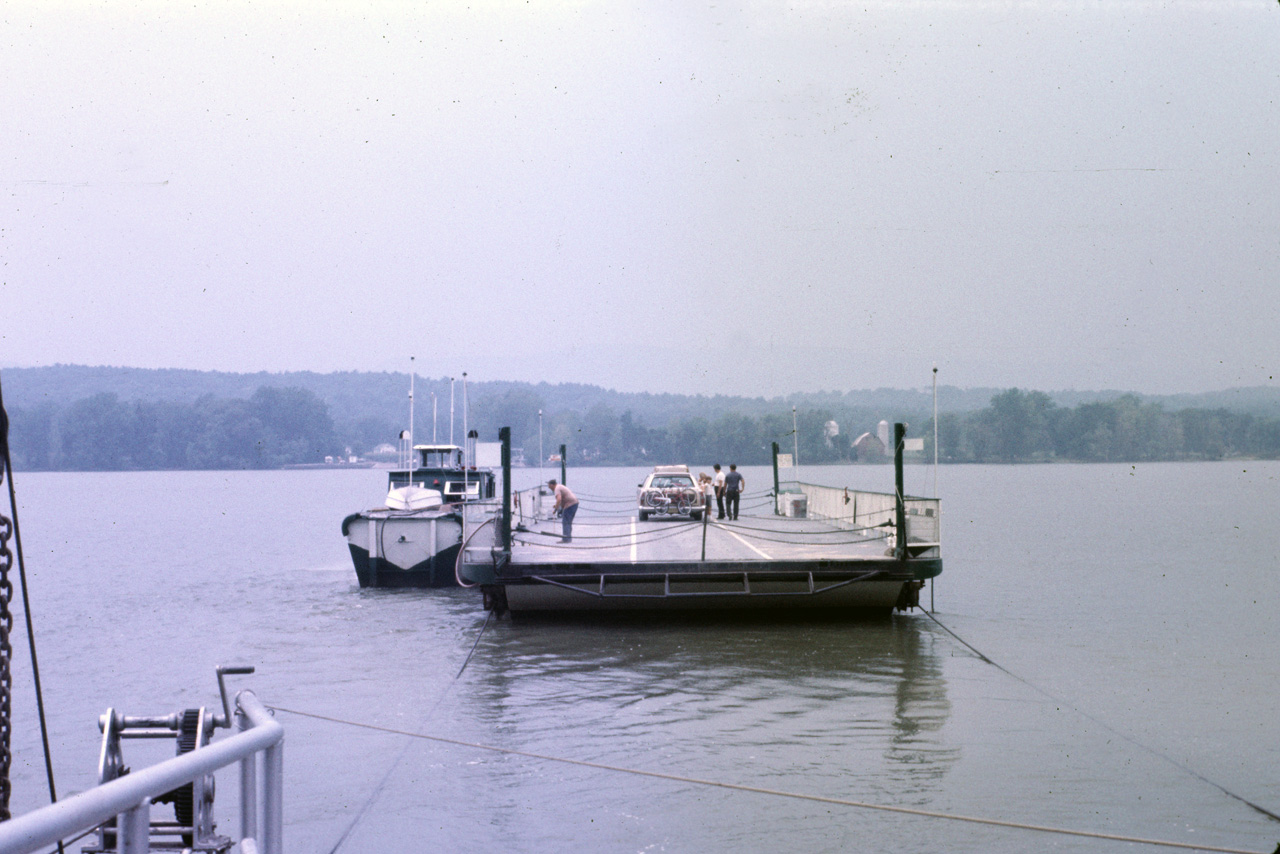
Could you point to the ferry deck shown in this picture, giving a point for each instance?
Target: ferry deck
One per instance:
(799, 546)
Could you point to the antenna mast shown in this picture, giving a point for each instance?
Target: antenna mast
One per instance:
(412, 375)
(935, 431)
(795, 439)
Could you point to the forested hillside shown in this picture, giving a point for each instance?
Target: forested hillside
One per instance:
(79, 418)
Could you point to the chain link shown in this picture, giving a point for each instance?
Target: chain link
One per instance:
(6, 654)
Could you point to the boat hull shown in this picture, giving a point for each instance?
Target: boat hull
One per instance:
(404, 549)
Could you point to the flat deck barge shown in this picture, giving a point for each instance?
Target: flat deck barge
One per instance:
(809, 547)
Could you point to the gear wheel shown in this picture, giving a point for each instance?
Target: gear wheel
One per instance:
(183, 797)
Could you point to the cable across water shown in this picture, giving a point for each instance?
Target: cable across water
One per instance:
(720, 784)
(1130, 739)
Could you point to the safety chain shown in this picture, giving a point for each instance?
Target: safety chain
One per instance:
(6, 624)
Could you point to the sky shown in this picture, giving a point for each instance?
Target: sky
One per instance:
(748, 199)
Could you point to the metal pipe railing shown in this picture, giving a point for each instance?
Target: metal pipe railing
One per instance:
(129, 796)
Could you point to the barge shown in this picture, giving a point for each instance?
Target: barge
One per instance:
(813, 547)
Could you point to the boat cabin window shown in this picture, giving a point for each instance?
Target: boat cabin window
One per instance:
(441, 458)
(458, 488)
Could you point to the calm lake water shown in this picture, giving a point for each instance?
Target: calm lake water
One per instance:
(1143, 598)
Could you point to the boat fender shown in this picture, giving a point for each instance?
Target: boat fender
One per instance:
(346, 523)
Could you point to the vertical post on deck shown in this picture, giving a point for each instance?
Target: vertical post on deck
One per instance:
(248, 789)
(135, 829)
(273, 799)
(504, 436)
(899, 434)
(935, 470)
(795, 440)
(564, 461)
(776, 487)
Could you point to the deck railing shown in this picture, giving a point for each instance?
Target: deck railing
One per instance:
(858, 510)
(129, 797)
(532, 505)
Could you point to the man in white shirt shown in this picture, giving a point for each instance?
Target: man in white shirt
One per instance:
(718, 483)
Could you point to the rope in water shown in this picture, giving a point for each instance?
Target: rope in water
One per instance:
(1263, 810)
(678, 778)
(386, 778)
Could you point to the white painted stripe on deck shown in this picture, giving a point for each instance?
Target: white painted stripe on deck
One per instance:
(745, 543)
(634, 545)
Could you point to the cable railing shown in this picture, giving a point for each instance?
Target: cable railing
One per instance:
(860, 511)
(128, 798)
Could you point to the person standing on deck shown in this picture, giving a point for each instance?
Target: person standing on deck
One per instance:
(718, 483)
(566, 506)
(734, 483)
(707, 491)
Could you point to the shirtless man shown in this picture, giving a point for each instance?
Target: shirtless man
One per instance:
(567, 505)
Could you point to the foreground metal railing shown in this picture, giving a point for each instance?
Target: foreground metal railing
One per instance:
(129, 797)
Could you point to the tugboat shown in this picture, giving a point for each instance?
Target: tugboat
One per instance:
(413, 539)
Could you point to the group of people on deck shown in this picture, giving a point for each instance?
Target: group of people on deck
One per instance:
(726, 489)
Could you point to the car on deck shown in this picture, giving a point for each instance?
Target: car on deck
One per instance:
(669, 491)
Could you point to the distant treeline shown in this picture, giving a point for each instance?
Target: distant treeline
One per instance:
(279, 426)
(1027, 426)
(274, 427)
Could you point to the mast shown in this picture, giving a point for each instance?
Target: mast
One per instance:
(466, 441)
(412, 375)
(935, 431)
(900, 506)
(795, 438)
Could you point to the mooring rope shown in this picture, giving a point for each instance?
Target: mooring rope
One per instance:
(386, 778)
(619, 540)
(81, 835)
(644, 535)
(1059, 700)
(679, 778)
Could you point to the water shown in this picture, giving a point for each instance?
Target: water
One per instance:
(1142, 598)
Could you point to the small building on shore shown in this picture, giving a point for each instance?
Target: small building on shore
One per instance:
(868, 448)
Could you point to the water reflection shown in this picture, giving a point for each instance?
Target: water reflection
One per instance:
(828, 707)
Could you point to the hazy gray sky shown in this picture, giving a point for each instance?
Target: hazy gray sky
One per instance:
(748, 199)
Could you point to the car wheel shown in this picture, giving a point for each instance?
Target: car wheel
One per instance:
(644, 517)
(696, 515)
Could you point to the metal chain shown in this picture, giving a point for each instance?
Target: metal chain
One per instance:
(8, 528)
(6, 649)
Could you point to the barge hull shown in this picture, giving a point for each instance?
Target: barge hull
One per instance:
(856, 585)
(877, 596)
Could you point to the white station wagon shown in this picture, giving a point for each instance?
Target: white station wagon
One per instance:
(669, 490)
